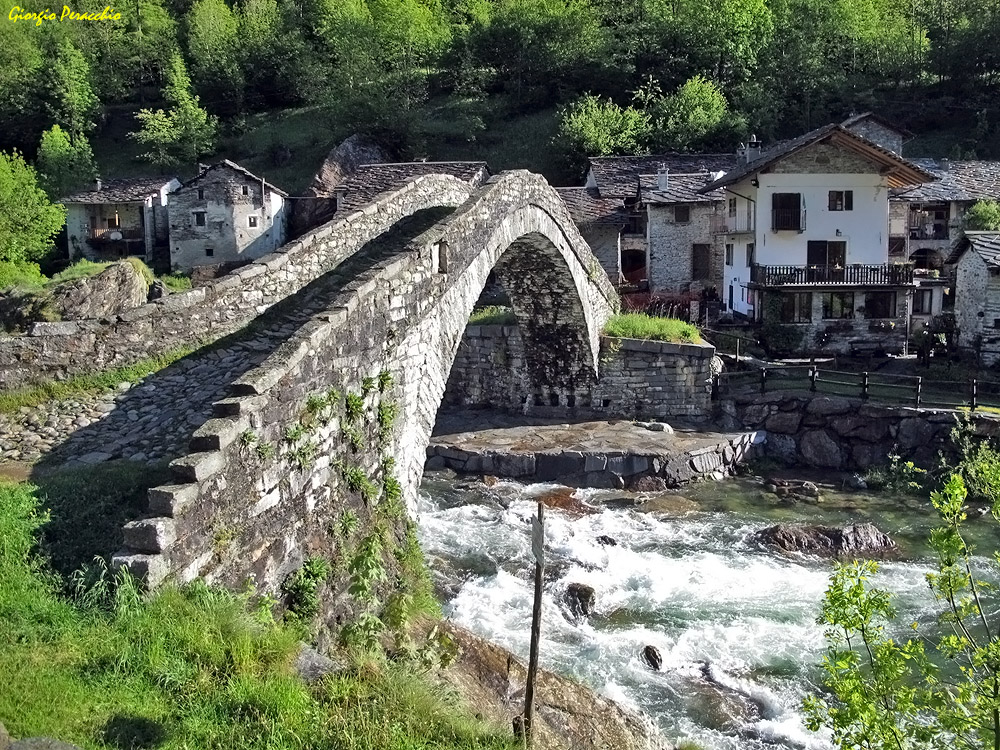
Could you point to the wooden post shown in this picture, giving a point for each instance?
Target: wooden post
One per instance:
(812, 379)
(975, 393)
(763, 380)
(920, 383)
(864, 385)
(538, 548)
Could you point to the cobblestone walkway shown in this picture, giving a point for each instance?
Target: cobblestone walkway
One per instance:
(153, 420)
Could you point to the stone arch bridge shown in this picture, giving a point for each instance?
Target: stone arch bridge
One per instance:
(364, 317)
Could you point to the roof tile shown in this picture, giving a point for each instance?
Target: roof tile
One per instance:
(618, 176)
(587, 207)
(369, 180)
(121, 190)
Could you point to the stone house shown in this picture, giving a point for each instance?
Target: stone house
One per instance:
(225, 215)
(121, 217)
(810, 248)
(649, 235)
(977, 292)
(602, 222)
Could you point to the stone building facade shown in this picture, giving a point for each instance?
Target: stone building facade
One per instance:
(121, 217)
(225, 215)
(977, 293)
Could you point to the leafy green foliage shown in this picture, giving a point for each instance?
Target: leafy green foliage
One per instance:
(892, 695)
(689, 118)
(304, 454)
(386, 418)
(265, 450)
(983, 215)
(182, 134)
(65, 162)
(28, 220)
(592, 126)
(642, 326)
(367, 386)
(384, 381)
(347, 523)
(492, 315)
(72, 102)
(357, 481)
(23, 275)
(898, 476)
(978, 461)
(354, 406)
(294, 433)
(301, 589)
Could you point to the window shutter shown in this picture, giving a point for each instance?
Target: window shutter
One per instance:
(848, 200)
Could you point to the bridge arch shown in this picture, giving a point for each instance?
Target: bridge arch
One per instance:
(397, 324)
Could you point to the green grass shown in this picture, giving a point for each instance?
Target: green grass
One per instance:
(188, 668)
(642, 326)
(494, 315)
(176, 282)
(83, 385)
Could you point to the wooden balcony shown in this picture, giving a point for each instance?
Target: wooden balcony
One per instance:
(890, 274)
(115, 234)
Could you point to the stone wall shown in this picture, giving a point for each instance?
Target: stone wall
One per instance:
(977, 305)
(671, 249)
(240, 512)
(832, 432)
(635, 380)
(604, 240)
(823, 158)
(57, 350)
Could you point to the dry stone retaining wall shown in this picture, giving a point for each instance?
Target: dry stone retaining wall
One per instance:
(56, 350)
(238, 513)
(636, 379)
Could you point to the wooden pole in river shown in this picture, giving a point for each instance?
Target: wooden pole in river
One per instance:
(538, 549)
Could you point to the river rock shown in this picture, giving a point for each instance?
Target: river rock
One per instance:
(914, 432)
(648, 484)
(564, 498)
(860, 540)
(670, 504)
(827, 405)
(786, 422)
(607, 541)
(819, 449)
(117, 289)
(651, 655)
(312, 666)
(856, 482)
(580, 599)
(782, 447)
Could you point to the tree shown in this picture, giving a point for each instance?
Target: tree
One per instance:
(592, 126)
(983, 215)
(72, 101)
(183, 133)
(214, 45)
(65, 162)
(689, 117)
(28, 220)
(900, 696)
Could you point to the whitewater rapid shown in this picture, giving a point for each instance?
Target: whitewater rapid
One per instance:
(735, 625)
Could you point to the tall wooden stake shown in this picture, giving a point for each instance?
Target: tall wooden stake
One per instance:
(537, 547)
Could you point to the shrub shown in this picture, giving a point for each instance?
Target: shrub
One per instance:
(493, 315)
(642, 326)
(23, 275)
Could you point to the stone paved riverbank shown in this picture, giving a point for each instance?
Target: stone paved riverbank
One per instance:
(611, 454)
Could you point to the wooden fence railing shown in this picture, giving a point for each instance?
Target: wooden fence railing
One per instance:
(913, 390)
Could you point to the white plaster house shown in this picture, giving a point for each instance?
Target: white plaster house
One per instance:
(120, 217)
(977, 293)
(225, 215)
(809, 245)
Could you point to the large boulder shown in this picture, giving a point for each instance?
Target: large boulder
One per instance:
(820, 450)
(117, 289)
(860, 540)
(580, 599)
(336, 169)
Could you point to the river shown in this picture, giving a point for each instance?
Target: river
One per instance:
(735, 624)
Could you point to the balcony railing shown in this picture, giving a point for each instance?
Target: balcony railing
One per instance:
(890, 274)
(733, 224)
(791, 219)
(116, 233)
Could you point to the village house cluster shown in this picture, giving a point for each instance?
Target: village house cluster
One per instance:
(832, 235)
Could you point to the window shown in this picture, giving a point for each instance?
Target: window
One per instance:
(823, 253)
(732, 207)
(751, 252)
(201, 194)
(838, 305)
(880, 305)
(246, 190)
(922, 301)
(841, 200)
(251, 221)
(199, 218)
(210, 252)
(701, 263)
(796, 307)
(682, 214)
(786, 212)
(729, 254)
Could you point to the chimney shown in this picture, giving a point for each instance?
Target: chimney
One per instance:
(97, 183)
(202, 168)
(741, 154)
(754, 148)
(945, 164)
(662, 178)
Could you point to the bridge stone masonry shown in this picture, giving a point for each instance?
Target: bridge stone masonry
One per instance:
(307, 435)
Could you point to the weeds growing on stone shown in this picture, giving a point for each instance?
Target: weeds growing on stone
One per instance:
(354, 406)
(384, 381)
(642, 326)
(493, 315)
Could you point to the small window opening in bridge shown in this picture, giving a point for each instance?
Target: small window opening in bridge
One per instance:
(571, 401)
(210, 252)
(439, 256)
(606, 403)
(201, 194)
(199, 218)
(553, 399)
(252, 221)
(246, 190)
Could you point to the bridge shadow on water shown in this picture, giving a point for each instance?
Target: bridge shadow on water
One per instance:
(97, 478)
